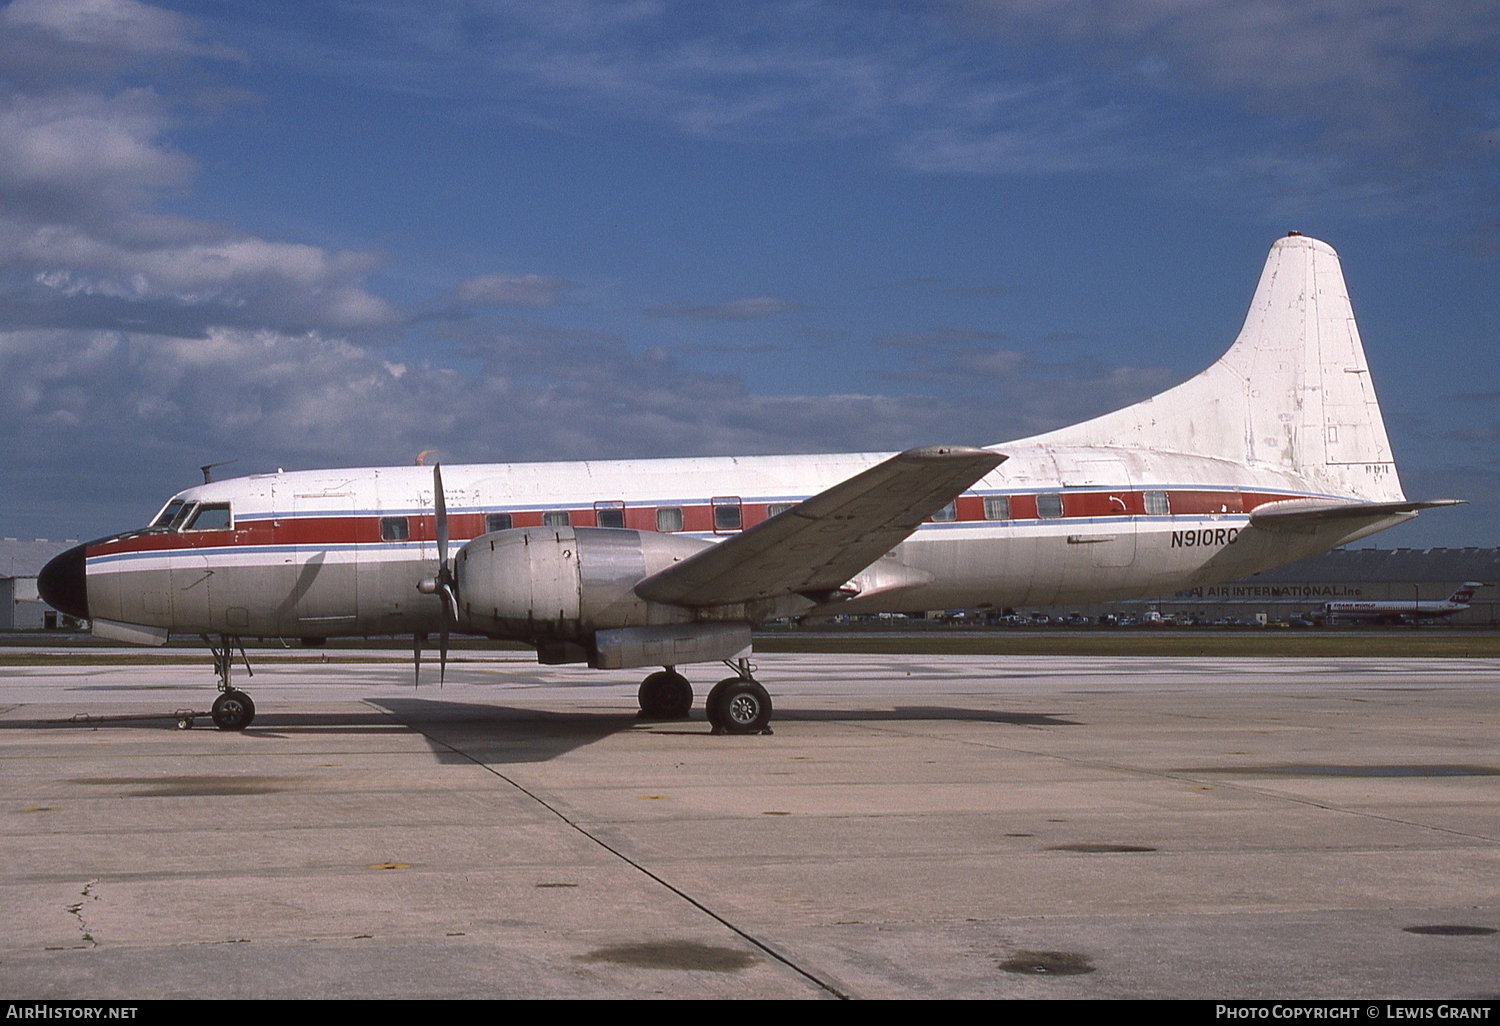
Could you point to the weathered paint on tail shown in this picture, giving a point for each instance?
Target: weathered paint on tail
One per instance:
(1292, 395)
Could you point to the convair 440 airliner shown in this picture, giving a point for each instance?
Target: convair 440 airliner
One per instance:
(1274, 453)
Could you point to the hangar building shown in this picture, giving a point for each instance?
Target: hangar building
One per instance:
(1303, 587)
(21, 608)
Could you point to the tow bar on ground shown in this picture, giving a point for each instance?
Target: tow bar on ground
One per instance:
(184, 718)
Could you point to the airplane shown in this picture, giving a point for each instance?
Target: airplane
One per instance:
(1276, 452)
(1397, 611)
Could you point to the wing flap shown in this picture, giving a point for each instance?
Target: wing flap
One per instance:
(1306, 512)
(816, 546)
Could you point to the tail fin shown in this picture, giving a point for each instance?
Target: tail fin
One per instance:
(1292, 395)
(1464, 595)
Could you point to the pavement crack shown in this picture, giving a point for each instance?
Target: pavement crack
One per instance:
(761, 945)
(76, 911)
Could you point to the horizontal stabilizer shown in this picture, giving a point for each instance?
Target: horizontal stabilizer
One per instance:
(816, 546)
(1305, 512)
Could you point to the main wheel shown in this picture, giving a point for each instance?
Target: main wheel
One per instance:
(233, 710)
(666, 695)
(739, 706)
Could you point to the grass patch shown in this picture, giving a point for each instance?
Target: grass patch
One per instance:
(1269, 642)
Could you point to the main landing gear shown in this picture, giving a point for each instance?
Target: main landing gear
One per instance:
(232, 710)
(739, 704)
(736, 705)
(666, 696)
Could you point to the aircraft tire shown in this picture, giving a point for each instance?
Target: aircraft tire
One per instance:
(713, 705)
(739, 706)
(233, 710)
(666, 695)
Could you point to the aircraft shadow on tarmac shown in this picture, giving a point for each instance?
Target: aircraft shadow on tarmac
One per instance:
(266, 724)
(496, 733)
(465, 732)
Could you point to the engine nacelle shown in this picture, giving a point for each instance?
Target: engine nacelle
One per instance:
(561, 584)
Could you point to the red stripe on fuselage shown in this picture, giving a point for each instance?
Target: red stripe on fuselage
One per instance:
(315, 531)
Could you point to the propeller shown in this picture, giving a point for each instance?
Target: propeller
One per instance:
(444, 585)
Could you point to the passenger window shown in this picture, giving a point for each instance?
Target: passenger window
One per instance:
(946, 515)
(1156, 504)
(609, 514)
(669, 519)
(394, 529)
(775, 509)
(496, 522)
(555, 518)
(997, 507)
(726, 514)
(1049, 505)
(210, 517)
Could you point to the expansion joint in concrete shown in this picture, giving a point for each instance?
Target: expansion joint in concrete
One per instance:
(764, 946)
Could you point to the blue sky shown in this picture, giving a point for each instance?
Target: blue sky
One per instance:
(313, 234)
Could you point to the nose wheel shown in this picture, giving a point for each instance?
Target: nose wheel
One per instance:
(232, 710)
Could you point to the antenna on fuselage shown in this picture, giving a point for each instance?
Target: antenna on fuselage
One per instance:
(207, 468)
(421, 456)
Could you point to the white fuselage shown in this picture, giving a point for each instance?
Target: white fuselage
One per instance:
(305, 553)
(1389, 611)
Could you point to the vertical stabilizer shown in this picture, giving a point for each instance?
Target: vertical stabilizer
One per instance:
(1292, 395)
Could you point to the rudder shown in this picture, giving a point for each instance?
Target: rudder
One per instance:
(1292, 395)
(1310, 405)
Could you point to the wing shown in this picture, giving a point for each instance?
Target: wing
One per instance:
(1307, 512)
(818, 545)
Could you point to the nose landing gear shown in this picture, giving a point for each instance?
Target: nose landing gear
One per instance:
(232, 710)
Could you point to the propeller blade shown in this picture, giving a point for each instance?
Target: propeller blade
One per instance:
(445, 584)
(441, 507)
(417, 641)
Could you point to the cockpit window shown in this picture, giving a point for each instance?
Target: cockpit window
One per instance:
(180, 517)
(168, 512)
(210, 516)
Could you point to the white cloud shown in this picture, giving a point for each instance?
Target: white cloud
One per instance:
(82, 239)
(312, 399)
(104, 24)
(72, 141)
(1330, 96)
(1374, 72)
(52, 40)
(750, 309)
(511, 290)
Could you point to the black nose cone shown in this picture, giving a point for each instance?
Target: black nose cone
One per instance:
(63, 583)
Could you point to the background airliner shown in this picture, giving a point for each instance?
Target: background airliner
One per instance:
(1396, 611)
(1275, 452)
